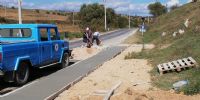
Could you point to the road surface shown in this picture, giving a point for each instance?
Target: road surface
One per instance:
(104, 37)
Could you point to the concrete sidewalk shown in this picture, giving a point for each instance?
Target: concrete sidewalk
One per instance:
(41, 89)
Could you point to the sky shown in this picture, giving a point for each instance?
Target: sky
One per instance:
(134, 7)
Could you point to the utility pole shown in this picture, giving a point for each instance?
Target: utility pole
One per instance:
(129, 17)
(73, 17)
(168, 9)
(20, 11)
(129, 22)
(105, 15)
(143, 25)
(5, 9)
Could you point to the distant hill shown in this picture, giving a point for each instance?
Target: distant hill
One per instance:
(40, 16)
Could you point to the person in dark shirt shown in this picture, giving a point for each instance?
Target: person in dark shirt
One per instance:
(87, 37)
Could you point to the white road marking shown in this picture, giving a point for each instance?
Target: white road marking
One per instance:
(48, 65)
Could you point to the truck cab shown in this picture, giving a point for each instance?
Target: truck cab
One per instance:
(24, 47)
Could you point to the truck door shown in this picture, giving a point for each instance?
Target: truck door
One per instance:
(56, 44)
(45, 47)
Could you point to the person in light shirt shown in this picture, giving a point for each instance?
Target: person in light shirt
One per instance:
(96, 37)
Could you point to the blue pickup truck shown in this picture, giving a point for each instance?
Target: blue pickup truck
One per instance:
(24, 47)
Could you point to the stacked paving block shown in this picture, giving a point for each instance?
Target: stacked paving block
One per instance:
(177, 65)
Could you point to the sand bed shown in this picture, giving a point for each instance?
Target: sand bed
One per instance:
(82, 53)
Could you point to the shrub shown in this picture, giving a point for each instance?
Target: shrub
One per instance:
(54, 13)
(47, 12)
(157, 9)
(37, 11)
(3, 20)
(12, 7)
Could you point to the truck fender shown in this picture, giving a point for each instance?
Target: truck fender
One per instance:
(64, 50)
(21, 59)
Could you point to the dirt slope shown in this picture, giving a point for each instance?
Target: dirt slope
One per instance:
(44, 16)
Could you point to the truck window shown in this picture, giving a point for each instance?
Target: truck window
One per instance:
(43, 34)
(15, 33)
(53, 34)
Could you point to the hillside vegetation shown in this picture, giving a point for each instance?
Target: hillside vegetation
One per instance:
(169, 48)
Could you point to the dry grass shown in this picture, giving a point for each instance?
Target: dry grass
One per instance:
(31, 16)
(69, 28)
(134, 39)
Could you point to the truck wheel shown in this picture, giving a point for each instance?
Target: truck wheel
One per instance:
(65, 61)
(22, 74)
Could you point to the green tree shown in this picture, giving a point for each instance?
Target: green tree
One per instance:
(92, 15)
(122, 21)
(173, 7)
(157, 9)
(135, 22)
(111, 18)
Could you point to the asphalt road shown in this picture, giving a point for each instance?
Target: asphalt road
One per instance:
(104, 37)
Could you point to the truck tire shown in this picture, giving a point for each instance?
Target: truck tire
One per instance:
(22, 74)
(65, 61)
